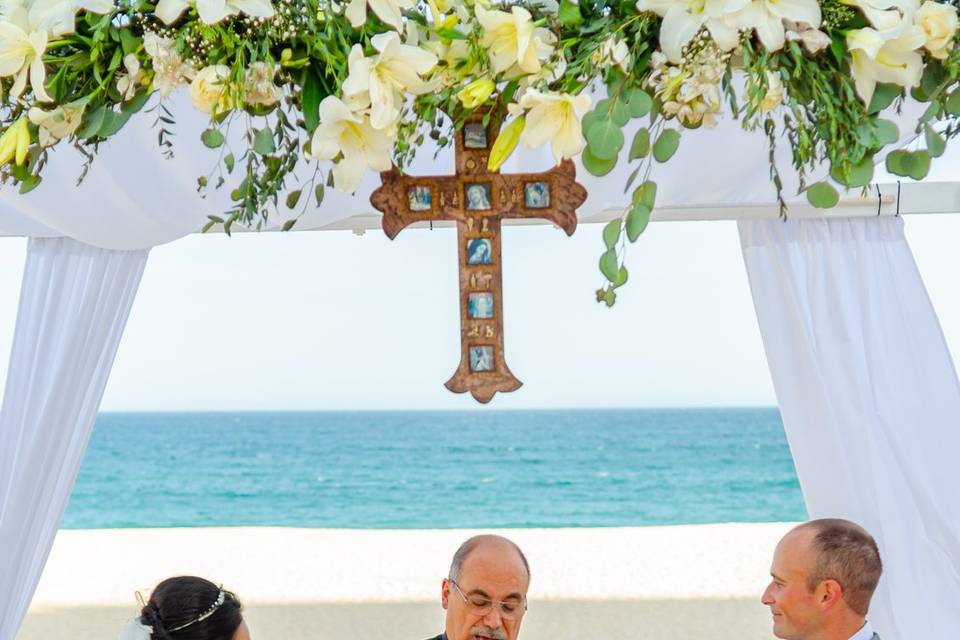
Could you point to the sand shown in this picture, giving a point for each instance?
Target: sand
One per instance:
(691, 581)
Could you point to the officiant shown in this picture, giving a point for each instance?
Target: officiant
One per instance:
(485, 593)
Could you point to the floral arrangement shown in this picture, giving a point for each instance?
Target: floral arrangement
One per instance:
(347, 87)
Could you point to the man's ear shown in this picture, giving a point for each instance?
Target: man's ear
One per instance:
(445, 593)
(829, 594)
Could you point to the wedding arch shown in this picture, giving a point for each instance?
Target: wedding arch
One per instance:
(810, 123)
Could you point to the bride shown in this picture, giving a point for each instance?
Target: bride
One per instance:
(188, 608)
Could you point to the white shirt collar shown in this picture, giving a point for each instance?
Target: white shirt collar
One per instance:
(865, 633)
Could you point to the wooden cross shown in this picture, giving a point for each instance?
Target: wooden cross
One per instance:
(478, 199)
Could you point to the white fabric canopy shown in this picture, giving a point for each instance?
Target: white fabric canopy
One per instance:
(135, 198)
(74, 304)
(870, 402)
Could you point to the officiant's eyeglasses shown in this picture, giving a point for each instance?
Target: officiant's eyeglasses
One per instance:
(482, 605)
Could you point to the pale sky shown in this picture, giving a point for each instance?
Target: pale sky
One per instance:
(329, 320)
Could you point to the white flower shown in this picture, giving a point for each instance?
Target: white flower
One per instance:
(344, 131)
(213, 11)
(58, 17)
(887, 15)
(58, 123)
(381, 80)
(939, 24)
(612, 51)
(774, 95)
(389, 11)
(554, 117)
(683, 19)
(766, 18)
(877, 59)
(129, 83)
(21, 53)
(258, 85)
(514, 44)
(208, 91)
(169, 70)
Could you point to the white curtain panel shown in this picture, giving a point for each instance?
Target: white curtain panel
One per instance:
(870, 402)
(74, 304)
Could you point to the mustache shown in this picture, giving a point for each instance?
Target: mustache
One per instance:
(493, 634)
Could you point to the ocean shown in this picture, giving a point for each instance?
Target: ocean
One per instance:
(436, 469)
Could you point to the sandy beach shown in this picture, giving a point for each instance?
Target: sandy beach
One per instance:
(691, 581)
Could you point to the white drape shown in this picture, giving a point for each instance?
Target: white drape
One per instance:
(870, 402)
(74, 304)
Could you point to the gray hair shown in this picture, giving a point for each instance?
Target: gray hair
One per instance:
(472, 543)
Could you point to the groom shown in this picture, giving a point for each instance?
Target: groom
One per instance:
(824, 574)
(485, 593)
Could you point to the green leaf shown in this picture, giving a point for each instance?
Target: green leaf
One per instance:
(639, 103)
(897, 162)
(860, 174)
(936, 145)
(646, 194)
(30, 183)
(641, 144)
(919, 165)
(822, 195)
(311, 97)
(137, 102)
(318, 193)
(212, 138)
(609, 266)
(666, 145)
(595, 165)
(610, 297)
(605, 139)
(263, 142)
(611, 233)
(92, 123)
(908, 164)
(614, 110)
(129, 41)
(229, 162)
(570, 14)
(637, 221)
(293, 198)
(289, 224)
(953, 103)
(931, 112)
(621, 278)
(112, 123)
(885, 133)
(883, 97)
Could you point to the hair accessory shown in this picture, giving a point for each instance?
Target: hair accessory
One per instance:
(221, 597)
(135, 630)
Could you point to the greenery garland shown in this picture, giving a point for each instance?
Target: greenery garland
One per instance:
(353, 86)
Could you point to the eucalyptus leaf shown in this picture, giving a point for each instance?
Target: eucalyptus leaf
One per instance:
(860, 174)
(641, 144)
(621, 278)
(885, 133)
(611, 233)
(92, 123)
(637, 221)
(605, 139)
(569, 14)
(646, 194)
(609, 266)
(293, 198)
(639, 103)
(112, 123)
(953, 103)
(137, 102)
(666, 145)
(212, 138)
(289, 224)
(936, 145)
(595, 165)
(883, 97)
(318, 193)
(263, 142)
(822, 195)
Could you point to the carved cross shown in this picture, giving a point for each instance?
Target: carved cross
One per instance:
(478, 199)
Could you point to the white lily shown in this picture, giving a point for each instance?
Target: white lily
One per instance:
(389, 11)
(886, 16)
(766, 18)
(683, 19)
(878, 59)
(129, 83)
(344, 131)
(58, 123)
(515, 45)
(58, 17)
(613, 51)
(382, 79)
(21, 53)
(213, 11)
(554, 117)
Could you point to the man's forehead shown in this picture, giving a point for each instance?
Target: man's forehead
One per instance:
(793, 553)
(494, 565)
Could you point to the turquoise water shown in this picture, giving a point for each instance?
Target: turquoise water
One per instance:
(419, 470)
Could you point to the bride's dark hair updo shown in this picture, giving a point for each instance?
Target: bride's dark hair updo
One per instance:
(181, 601)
